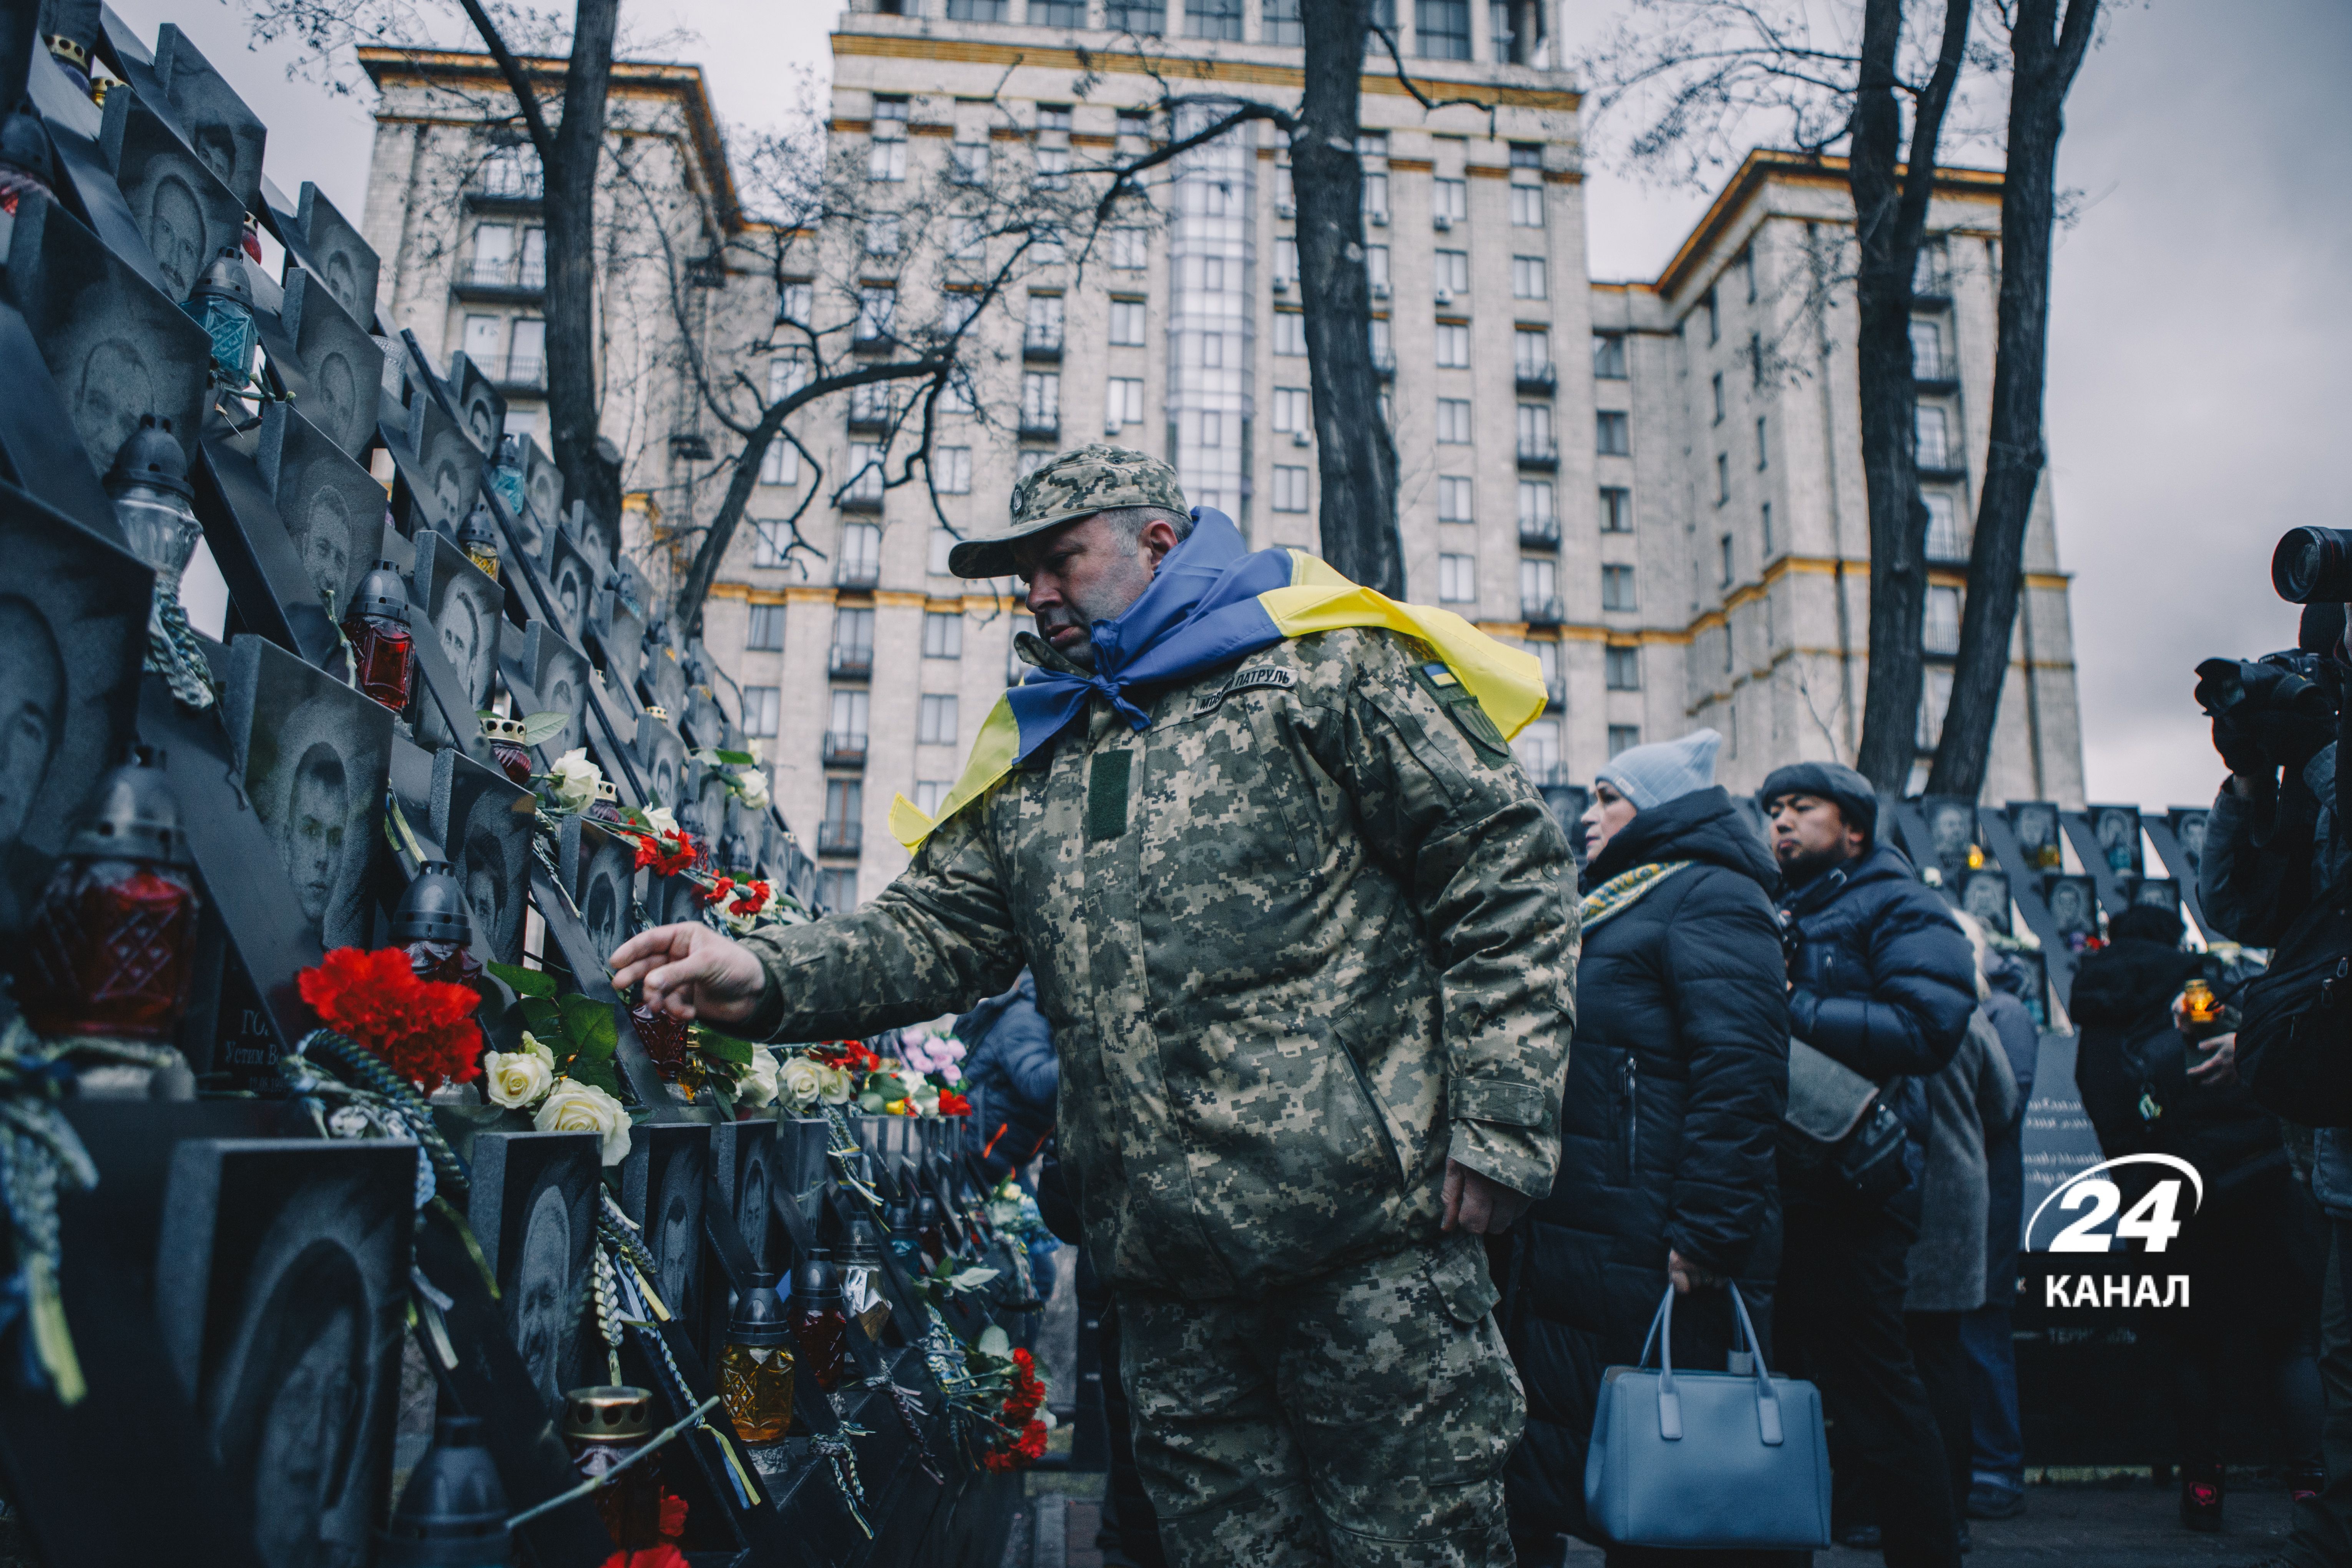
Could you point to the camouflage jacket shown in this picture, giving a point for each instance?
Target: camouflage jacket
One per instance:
(1300, 941)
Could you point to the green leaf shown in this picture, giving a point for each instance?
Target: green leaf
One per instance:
(721, 1092)
(543, 1018)
(588, 1025)
(525, 982)
(596, 1070)
(539, 728)
(971, 1279)
(723, 1048)
(737, 759)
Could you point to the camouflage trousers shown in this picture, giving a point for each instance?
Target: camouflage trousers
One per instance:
(1360, 1420)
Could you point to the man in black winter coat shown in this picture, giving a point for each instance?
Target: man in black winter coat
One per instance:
(1883, 979)
(1677, 1081)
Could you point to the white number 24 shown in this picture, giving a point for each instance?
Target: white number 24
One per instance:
(2149, 1221)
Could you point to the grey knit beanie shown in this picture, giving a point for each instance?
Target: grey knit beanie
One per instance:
(1653, 775)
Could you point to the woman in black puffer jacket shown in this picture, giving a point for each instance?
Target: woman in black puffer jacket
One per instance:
(1675, 1085)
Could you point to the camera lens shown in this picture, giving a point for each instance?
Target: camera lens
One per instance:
(2312, 564)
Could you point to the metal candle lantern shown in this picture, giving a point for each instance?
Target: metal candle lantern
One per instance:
(152, 494)
(755, 1369)
(381, 644)
(222, 303)
(820, 1320)
(113, 943)
(505, 736)
(480, 538)
(603, 1427)
(607, 804)
(453, 1512)
(433, 927)
(506, 478)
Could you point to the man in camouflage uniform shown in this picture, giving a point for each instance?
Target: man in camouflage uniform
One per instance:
(1303, 944)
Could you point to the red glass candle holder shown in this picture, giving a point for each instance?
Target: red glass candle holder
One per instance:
(385, 652)
(111, 949)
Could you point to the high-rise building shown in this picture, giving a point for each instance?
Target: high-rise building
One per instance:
(1655, 487)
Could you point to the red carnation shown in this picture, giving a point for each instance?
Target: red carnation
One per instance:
(662, 1556)
(422, 1029)
(668, 853)
(954, 1104)
(673, 1515)
(750, 899)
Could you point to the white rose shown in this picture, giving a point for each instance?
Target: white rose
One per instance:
(836, 1085)
(659, 819)
(575, 1107)
(575, 778)
(926, 1100)
(757, 1086)
(517, 1079)
(801, 1082)
(752, 784)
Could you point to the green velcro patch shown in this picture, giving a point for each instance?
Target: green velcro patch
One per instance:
(1498, 1101)
(1462, 707)
(1106, 794)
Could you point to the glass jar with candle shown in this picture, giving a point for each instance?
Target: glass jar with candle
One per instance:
(603, 1427)
(433, 926)
(505, 736)
(820, 1320)
(755, 1368)
(2197, 1003)
(383, 649)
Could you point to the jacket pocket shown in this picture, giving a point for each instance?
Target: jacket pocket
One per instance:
(1372, 1106)
(1625, 1125)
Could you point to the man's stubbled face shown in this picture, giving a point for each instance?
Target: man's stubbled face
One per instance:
(32, 705)
(314, 829)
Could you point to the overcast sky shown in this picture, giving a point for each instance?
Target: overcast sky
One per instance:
(2201, 313)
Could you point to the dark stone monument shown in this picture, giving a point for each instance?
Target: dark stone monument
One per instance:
(446, 467)
(2074, 906)
(2118, 827)
(214, 120)
(533, 1209)
(661, 1188)
(2035, 823)
(332, 508)
(1985, 894)
(462, 605)
(661, 756)
(545, 674)
(337, 372)
(600, 875)
(481, 409)
(1951, 830)
(2156, 892)
(483, 821)
(185, 211)
(571, 580)
(2189, 830)
(345, 261)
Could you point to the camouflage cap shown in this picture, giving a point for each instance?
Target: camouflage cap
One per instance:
(1078, 483)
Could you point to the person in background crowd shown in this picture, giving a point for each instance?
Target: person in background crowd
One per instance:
(1010, 1077)
(1881, 981)
(1677, 1077)
(2251, 1247)
(1998, 1490)
(1973, 1094)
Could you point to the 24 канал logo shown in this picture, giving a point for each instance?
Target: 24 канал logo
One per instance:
(2153, 1222)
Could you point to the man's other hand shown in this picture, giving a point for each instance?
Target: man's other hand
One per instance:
(1478, 1205)
(691, 972)
(1687, 1275)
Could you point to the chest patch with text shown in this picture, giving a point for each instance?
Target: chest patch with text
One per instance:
(1255, 678)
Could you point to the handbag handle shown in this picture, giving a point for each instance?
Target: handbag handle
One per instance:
(1670, 1402)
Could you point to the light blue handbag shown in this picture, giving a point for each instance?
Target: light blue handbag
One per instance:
(1707, 1458)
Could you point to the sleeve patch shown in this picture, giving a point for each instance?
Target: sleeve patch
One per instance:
(1462, 707)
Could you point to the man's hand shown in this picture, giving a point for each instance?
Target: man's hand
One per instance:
(1480, 1206)
(1688, 1275)
(2219, 1067)
(691, 972)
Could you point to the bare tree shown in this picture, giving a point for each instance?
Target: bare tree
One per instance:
(2046, 52)
(1705, 75)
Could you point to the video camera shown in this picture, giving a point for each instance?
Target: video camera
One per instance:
(2282, 707)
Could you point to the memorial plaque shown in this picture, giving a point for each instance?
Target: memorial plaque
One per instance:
(2156, 894)
(223, 130)
(334, 509)
(346, 262)
(117, 348)
(744, 1159)
(449, 466)
(337, 375)
(2074, 907)
(2189, 830)
(1951, 830)
(462, 605)
(483, 820)
(661, 1189)
(2118, 828)
(1985, 895)
(599, 872)
(73, 628)
(285, 1266)
(481, 410)
(661, 756)
(546, 674)
(571, 581)
(532, 1206)
(2035, 823)
(314, 756)
(542, 490)
(184, 211)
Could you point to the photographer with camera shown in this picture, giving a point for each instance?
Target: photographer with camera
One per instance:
(2274, 865)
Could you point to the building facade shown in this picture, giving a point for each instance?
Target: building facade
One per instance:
(1655, 487)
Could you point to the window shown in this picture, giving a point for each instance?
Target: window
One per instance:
(1452, 499)
(1534, 431)
(1716, 382)
(864, 475)
(1621, 669)
(1045, 243)
(836, 885)
(1286, 263)
(1624, 738)
(869, 404)
(1538, 749)
(766, 633)
(1130, 248)
(957, 308)
(844, 803)
(1289, 489)
(1527, 207)
(1538, 584)
(1943, 528)
(1127, 324)
(1053, 163)
(1376, 267)
(493, 254)
(765, 549)
(1286, 193)
(1213, 351)
(1722, 478)
(1934, 449)
(1453, 345)
(1756, 358)
(512, 172)
(1612, 436)
(929, 794)
(1145, 18)
(1057, 13)
(1043, 327)
(1724, 545)
(861, 542)
(1441, 29)
(935, 722)
(795, 303)
(942, 634)
(1453, 420)
(1376, 198)
(1211, 274)
(1122, 403)
(1933, 701)
(1213, 18)
(1763, 459)
(967, 241)
(1028, 463)
(853, 638)
(1616, 510)
(1714, 325)
(1452, 271)
(1547, 652)
(1747, 264)
(762, 710)
(951, 470)
(1608, 355)
(886, 158)
(1536, 514)
(1527, 154)
(1528, 281)
(1292, 409)
(1457, 579)
(1531, 351)
(1942, 631)
(484, 336)
(1927, 351)
(1052, 117)
(1617, 588)
(1041, 400)
(1377, 329)
(1283, 24)
(1767, 544)
(780, 465)
(942, 542)
(1449, 200)
(967, 163)
(1290, 333)
(877, 308)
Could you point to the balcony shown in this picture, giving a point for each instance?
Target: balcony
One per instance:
(1934, 373)
(863, 500)
(851, 663)
(1384, 364)
(1542, 612)
(511, 279)
(1041, 348)
(1540, 532)
(1040, 427)
(868, 337)
(856, 573)
(1535, 379)
(842, 837)
(869, 418)
(843, 750)
(1549, 776)
(1940, 468)
(505, 184)
(524, 372)
(1931, 289)
(690, 447)
(1538, 452)
(1555, 693)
